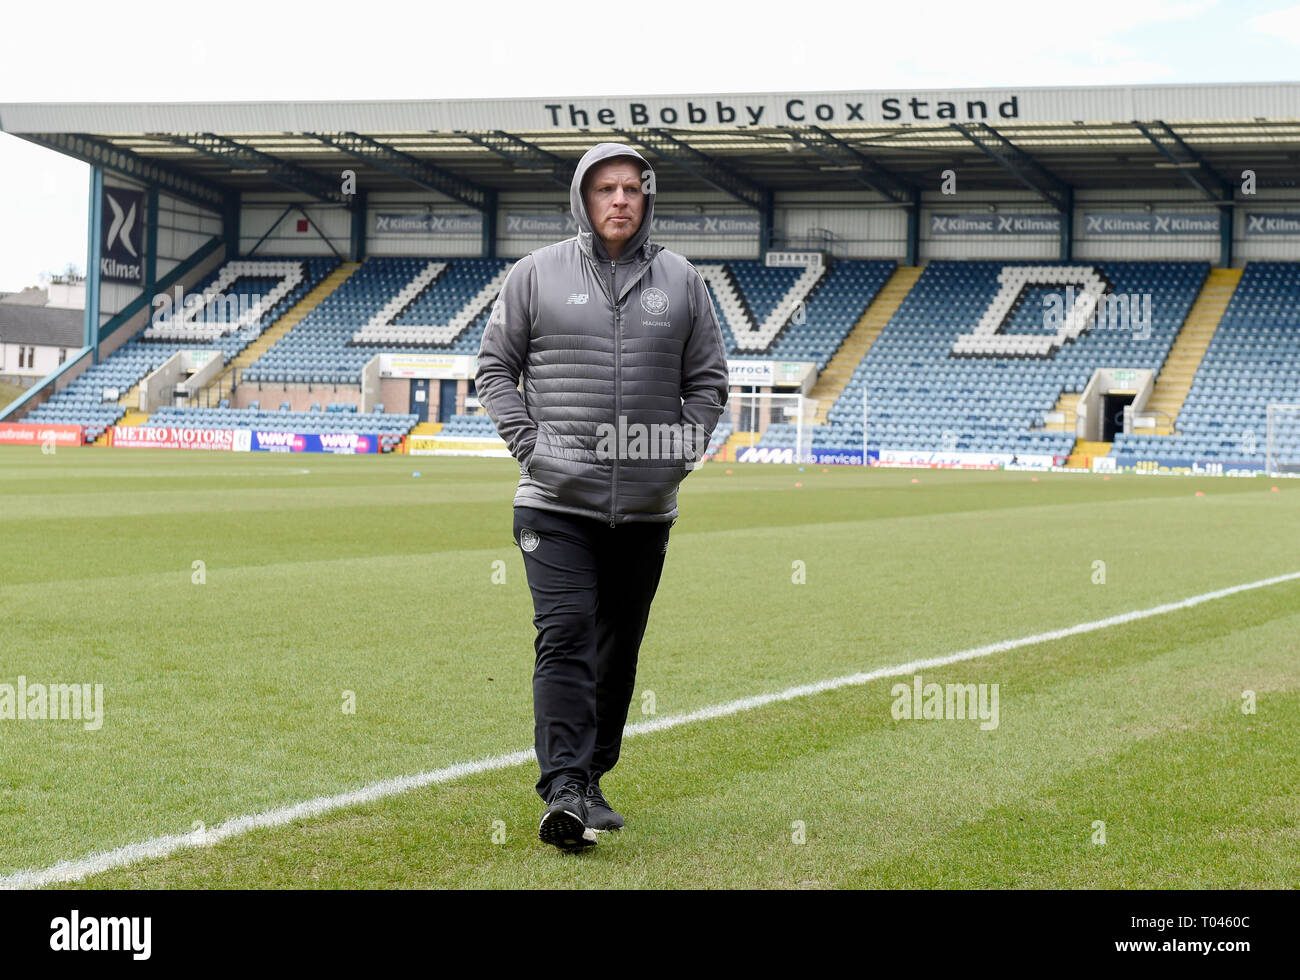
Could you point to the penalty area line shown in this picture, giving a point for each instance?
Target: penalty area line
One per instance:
(164, 846)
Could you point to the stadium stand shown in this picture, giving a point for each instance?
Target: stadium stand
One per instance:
(243, 298)
(408, 304)
(928, 384)
(1252, 362)
(399, 304)
(924, 396)
(407, 299)
(759, 306)
(927, 344)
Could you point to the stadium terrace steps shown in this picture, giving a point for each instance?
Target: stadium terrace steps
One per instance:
(221, 386)
(462, 434)
(736, 442)
(1180, 367)
(1083, 453)
(132, 417)
(420, 430)
(129, 401)
(1068, 406)
(832, 381)
(132, 398)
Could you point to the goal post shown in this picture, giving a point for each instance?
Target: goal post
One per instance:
(1282, 443)
(780, 422)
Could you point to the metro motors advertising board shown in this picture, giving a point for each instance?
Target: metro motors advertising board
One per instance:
(344, 443)
(171, 437)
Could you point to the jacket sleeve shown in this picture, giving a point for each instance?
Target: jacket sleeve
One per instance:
(704, 371)
(501, 359)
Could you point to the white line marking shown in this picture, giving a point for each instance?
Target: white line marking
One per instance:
(160, 847)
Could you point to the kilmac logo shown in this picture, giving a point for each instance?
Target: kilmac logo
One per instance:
(121, 241)
(654, 301)
(122, 225)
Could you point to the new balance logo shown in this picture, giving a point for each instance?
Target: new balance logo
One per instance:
(576, 299)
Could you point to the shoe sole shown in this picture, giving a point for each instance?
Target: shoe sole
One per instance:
(566, 831)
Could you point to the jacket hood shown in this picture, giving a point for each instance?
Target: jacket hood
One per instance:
(589, 241)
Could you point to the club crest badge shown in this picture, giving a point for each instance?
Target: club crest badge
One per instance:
(654, 301)
(529, 539)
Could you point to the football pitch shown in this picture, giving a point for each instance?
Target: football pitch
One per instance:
(280, 639)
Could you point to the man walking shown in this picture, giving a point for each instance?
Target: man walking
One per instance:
(618, 346)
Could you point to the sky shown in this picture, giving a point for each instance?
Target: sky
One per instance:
(240, 50)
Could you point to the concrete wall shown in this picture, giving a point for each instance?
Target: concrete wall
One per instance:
(299, 396)
(395, 393)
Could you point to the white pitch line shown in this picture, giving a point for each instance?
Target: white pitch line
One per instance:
(160, 847)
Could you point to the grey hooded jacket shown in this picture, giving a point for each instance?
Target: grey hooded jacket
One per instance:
(607, 350)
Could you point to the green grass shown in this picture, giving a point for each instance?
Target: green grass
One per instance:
(332, 574)
(8, 393)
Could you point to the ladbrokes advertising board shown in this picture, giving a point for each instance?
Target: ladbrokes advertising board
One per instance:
(31, 433)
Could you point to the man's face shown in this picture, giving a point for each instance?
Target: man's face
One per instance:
(614, 202)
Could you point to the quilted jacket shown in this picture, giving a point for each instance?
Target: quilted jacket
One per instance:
(608, 351)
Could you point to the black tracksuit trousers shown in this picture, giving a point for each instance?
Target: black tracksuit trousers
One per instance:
(592, 586)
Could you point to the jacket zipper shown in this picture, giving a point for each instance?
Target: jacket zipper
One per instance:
(618, 383)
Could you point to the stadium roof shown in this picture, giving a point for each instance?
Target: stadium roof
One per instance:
(747, 145)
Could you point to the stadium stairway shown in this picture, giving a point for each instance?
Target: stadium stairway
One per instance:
(466, 433)
(132, 417)
(736, 442)
(1081, 456)
(223, 384)
(1068, 406)
(839, 371)
(1180, 367)
(132, 398)
(421, 429)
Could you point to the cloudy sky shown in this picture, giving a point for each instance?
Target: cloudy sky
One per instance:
(241, 50)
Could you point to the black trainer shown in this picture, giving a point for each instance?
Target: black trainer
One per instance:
(600, 815)
(564, 824)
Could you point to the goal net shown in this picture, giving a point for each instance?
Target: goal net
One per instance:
(1282, 446)
(769, 427)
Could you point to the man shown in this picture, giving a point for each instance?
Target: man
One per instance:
(617, 343)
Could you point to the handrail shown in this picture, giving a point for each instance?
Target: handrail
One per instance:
(1173, 429)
